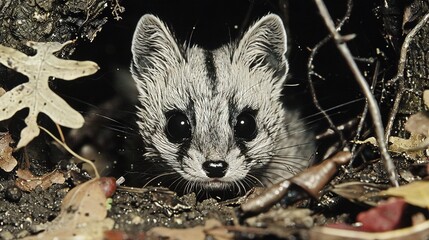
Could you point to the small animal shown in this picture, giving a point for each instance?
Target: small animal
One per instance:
(214, 120)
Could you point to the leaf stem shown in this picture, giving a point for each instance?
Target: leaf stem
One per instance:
(66, 147)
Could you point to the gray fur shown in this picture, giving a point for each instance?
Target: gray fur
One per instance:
(248, 74)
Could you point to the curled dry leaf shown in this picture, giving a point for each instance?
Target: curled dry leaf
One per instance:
(359, 191)
(26, 181)
(36, 94)
(306, 183)
(7, 161)
(83, 213)
(418, 125)
(411, 145)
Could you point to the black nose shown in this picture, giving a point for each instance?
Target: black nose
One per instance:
(215, 169)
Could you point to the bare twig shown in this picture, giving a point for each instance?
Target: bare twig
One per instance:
(310, 73)
(400, 75)
(364, 113)
(392, 116)
(372, 103)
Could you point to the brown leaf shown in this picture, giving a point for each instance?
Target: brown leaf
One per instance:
(309, 182)
(359, 191)
(26, 181)
(7, 161)
(83, 214)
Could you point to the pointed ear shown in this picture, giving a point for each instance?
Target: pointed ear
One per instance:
(154, 47)
(264, 45)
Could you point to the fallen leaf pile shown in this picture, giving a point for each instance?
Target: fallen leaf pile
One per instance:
(402, 216)
(36, 94)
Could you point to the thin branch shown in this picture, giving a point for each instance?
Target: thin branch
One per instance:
(400, 75)
(310, 73)
(64, 145)
(364, 113)
(372, 103)
(392, 116)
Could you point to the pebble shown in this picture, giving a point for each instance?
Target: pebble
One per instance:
(13, 194)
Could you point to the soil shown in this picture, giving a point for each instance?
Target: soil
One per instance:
(137, 210)
(132, 212)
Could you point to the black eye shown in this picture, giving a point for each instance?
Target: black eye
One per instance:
(178, 128)
(245, 128)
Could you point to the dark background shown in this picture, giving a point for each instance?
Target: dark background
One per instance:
(213, 23)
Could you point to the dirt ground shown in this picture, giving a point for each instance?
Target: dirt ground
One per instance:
(135, 211)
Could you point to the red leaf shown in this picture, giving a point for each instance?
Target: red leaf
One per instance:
(385, 217)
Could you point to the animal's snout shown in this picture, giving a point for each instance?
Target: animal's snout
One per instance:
(215, 169)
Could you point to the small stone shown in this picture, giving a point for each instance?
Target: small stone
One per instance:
(13, 194)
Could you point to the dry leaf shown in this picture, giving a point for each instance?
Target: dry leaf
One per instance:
(419, 231)
(418, 123)
(36, 94)
(415, 193)
(370, 140)
(26, 181)
(212, 228)
(83, 213)
(386, 216)
(358, 191)
(426, 97)
(7, 161)
(411, 146)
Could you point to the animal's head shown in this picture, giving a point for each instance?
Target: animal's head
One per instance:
(213, 117)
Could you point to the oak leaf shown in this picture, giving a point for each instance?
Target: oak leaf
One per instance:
(36, 94)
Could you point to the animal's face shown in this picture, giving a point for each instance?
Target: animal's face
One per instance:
(214, 117)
